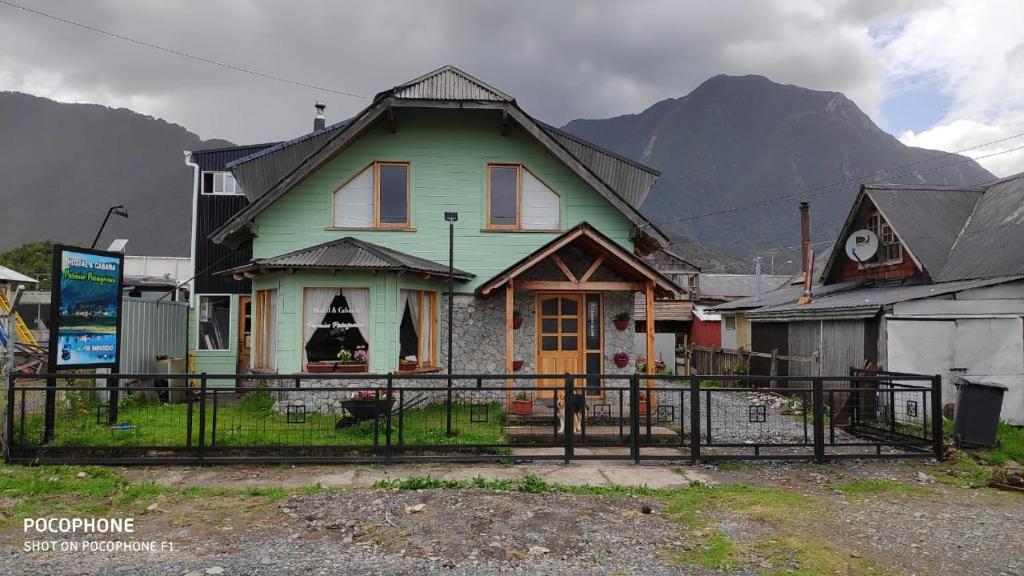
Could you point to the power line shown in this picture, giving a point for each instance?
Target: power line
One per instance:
(841, 185)
(181, 53)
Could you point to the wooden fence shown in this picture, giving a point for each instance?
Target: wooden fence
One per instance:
(707, 360)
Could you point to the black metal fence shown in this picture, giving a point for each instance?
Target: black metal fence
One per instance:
(228, 418)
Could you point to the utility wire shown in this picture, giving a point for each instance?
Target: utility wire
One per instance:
(841, 185)
(182, 54)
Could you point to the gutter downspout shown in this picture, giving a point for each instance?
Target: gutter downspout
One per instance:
(192, 249)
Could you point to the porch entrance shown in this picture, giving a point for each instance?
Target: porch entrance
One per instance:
(569, 338)
(244, 334)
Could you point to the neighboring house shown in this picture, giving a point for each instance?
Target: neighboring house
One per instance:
(733, 327)
(671, 315)
(338, 242)
(942, 294)
(157, 277)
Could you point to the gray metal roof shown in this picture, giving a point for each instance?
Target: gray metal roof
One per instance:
(447, 83)
(632, 180)
(349, 254)
(267, 175)
(926, 220)
(8, 275)
(862, 302)
(784, 295)
(992, 242)
(730, 286)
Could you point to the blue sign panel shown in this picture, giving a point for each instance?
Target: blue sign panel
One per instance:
(86, 301)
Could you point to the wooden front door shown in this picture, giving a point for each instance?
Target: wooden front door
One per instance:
(244, 333)
(559, 336)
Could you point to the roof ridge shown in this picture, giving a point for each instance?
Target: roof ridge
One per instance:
(446, 68)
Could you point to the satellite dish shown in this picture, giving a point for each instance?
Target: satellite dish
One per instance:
(861, 246)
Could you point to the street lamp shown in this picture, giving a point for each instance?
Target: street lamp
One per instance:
(451, 218)
(118, 210)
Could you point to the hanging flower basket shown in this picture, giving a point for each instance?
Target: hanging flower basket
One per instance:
(621, 359)
(621, 321)
(517, 319)
(517, 365)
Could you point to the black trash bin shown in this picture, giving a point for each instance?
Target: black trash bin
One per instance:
(977, 412)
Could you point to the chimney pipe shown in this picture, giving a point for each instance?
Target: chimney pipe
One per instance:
(320, 120)
(805, 235)
(806, 255)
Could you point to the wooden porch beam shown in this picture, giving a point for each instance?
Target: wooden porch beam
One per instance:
(565, 269)
(592, 286)
(593, 268)
(649, 331)
(509, 330)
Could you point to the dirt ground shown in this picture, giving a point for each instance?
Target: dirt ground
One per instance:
(847, 517)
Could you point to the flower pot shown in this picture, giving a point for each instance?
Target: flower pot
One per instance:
(643, 407)
(334, 367)
(406, 366)
(622, 362)
(517, 365)
(621, 325)
(517, 322)
(522, 407)
(367, 409)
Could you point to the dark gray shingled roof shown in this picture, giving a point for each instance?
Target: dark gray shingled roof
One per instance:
(992, 242)
(927, 220)
(266, 175)
(349, 254)
(730, 286)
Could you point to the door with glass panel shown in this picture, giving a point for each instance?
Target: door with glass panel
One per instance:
(559, 337)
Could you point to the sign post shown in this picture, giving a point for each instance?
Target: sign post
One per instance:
(85, 319)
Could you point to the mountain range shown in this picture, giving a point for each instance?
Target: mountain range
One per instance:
(733, 142)
(63, 165)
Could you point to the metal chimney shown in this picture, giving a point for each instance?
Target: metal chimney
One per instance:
(320, 120)
(805, 236)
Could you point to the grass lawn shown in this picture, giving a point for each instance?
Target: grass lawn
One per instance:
(252, 422)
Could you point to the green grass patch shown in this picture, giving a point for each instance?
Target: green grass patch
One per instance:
(712, 550)
(870, 486)
(1010, 447)
(252, 421)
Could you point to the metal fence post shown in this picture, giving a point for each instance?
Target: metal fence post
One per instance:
(387, 423)
(9, 418)
(634, 417)
(937, 440)
(202, 416)
(568, 419)
(694, 419)
(818, 399)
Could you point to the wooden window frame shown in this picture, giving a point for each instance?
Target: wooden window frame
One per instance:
(372, 321)
(199, 305)
(880, 226)
(518, 226)
(377, 224)
(430, 354)
(262, 324)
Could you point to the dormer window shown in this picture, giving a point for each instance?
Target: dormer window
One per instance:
(518, 200)
(220, 183)
(377, 197)
(889, 250)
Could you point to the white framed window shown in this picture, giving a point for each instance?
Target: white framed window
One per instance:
(518, 200)
(377, 197)
(220, 183)
(214, 321)
(730, 321)
(889, 249)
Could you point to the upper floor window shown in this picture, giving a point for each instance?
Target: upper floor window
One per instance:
(889, 251)
(377, 197)
(220, 183)
(518, 200)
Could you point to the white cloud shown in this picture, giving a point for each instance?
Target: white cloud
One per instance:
(974, 53)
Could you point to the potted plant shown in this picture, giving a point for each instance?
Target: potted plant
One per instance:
(621, 320)
(348, 362)
(368, 404)
(522, 405)
(621, 359)
(517, 319)
(517, 365)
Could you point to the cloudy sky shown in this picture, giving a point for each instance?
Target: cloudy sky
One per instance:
(945, 75)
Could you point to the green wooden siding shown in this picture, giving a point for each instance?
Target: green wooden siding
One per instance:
(448, 151)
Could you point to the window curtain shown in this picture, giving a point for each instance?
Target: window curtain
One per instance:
(317, 305)
(414, 310)
(423, 329)
(359, 306)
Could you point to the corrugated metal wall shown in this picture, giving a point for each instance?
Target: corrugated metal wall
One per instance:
(150, 328)
(841, 345)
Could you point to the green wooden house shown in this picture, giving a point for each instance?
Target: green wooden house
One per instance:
(339, 245)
